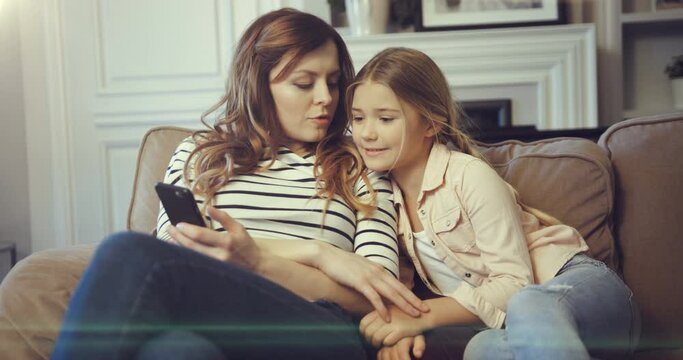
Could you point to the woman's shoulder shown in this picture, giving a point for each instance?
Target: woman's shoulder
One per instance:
(188, 143)
(184, 149)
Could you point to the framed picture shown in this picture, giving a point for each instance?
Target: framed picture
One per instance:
(483, 115)
(667, 4)
(478, 14)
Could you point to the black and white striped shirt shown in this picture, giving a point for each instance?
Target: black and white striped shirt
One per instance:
(281, 203)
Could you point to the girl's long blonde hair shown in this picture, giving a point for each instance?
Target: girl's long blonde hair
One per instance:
(416, 80)
(247, 129)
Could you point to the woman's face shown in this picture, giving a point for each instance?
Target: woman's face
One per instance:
(389, 133)
(306, 99)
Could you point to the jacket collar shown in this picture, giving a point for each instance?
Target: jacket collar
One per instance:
(434, 176)
(435, 172)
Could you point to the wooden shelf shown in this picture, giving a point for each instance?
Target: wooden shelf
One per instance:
(528, 133)
(652, 17)
(634, 113)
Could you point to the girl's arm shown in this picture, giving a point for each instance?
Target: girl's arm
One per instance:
(443, 311)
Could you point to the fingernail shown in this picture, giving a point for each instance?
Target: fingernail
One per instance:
(180, 226)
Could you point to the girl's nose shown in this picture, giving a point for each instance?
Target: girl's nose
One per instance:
(368, 131)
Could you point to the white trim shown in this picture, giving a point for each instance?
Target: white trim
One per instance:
(106, 146)
(559, 60)
(47, 134)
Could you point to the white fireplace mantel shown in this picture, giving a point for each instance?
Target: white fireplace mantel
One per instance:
(559, 62)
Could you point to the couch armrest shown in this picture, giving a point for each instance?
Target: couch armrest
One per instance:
(34, 297)
(648, 219)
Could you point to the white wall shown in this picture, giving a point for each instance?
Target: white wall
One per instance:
(14, 208)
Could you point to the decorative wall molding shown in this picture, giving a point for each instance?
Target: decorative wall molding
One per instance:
(192, 72)
(48, 135)
(559, 61)
(115, 192)
(151, 118)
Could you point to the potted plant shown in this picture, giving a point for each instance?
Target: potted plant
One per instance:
(675, 72)
(364, 16)
(338, 13)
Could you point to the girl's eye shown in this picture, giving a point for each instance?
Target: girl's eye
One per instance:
(386, 119)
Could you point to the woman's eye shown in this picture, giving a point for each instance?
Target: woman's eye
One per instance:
(357, 118)
(304, 86)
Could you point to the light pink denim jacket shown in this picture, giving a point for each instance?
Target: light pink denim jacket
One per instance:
(477, 226)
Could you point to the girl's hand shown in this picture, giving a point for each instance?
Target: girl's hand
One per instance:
(381, 333)
(234, 245)
(370, 279)
(401, 350)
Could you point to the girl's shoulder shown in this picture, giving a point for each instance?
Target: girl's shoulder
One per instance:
(460, 161)
(463, 167)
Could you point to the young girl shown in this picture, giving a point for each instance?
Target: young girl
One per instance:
(492, 259)
(277, 161)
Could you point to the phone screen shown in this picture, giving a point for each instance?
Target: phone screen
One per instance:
(179, 204)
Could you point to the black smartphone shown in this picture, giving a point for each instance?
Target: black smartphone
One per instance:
(179, 204)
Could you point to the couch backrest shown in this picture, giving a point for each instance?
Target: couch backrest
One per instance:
(647, 157)
(569, 178)
(155, 152)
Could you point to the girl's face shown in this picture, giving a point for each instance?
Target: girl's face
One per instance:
(306, 99)
(389, 133)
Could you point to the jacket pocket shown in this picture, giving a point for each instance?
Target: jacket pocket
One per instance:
(449, 229)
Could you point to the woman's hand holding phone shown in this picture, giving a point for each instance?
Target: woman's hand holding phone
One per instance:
(234, 245)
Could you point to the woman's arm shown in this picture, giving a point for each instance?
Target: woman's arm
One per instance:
(310, 283)
(236, 246)
(348, 270)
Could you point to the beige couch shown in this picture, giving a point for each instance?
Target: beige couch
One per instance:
(624, 194)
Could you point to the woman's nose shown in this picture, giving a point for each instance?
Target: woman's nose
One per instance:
(322, 94)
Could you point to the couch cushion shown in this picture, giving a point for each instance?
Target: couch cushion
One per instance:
(155, 152)
(568, 178)
(34, 297)
(646, 157)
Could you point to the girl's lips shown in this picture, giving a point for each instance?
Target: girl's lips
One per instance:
(373, 152)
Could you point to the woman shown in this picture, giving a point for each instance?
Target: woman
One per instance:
(493, 260)
(277, 161)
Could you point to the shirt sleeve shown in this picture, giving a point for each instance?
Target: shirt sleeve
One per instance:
(494, 214)
(174, 175)
(375, 237)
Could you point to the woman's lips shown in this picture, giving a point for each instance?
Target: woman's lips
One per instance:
(321, 120)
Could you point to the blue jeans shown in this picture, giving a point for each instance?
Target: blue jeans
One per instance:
(585, 311)
(140, 292)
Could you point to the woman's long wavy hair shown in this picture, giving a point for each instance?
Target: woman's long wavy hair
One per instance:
(247, 129)
(417, 80)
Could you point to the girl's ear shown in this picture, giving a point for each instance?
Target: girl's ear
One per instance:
(431, 131)
(432, 128)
